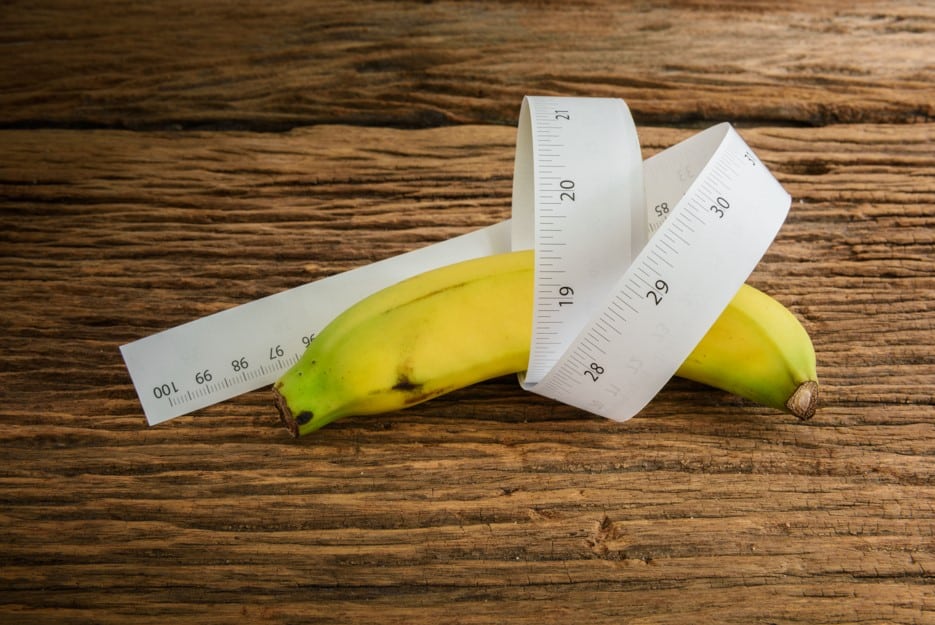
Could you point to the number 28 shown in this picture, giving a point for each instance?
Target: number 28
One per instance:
(594, 371)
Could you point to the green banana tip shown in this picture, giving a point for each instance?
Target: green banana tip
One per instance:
(804, 400)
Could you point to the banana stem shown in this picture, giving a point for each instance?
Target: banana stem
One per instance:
(803, 402)
(285, 414)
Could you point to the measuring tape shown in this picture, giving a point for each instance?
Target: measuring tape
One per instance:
(634, 262)
(713, 209)
(215, 358)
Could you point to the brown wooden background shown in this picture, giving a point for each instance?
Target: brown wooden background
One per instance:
(160, 161)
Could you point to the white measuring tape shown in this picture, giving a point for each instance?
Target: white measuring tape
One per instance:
(616, 310)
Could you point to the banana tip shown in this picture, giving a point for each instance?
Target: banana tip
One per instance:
(804, 401)
(285, 415)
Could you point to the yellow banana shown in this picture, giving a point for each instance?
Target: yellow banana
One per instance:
(471, 321)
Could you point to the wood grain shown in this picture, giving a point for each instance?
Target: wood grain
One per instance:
(295, 63)
(163, 162)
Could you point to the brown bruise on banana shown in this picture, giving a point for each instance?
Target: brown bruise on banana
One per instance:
(414, 392)
(404, 384)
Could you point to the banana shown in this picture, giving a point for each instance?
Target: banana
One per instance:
(472, 321)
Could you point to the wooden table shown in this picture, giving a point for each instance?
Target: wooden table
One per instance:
(162, 161)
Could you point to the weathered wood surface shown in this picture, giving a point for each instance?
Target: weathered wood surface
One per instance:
(142, 186)
(218, 64)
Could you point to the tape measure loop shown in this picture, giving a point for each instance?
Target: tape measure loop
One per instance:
(710, 208)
